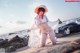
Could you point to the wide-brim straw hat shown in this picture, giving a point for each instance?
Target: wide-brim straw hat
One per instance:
(41, 6)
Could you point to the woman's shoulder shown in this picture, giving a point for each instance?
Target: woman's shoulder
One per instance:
(36, 18)
(45, 16)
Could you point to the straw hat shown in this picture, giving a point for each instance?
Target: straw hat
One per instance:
(41, 6)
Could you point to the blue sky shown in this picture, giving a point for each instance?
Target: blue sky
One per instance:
(11, 10)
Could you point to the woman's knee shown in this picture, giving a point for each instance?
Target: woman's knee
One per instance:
(43, 38)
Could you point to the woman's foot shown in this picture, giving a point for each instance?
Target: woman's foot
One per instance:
(49, 43)
(40, 46)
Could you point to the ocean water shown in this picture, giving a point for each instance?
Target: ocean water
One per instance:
(21, 30)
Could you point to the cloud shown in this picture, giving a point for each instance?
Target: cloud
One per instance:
(12, 15)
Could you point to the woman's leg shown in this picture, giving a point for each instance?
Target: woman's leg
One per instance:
(52, 36)
(43, 39)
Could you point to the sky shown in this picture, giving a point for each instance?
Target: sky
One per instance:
(23, 10)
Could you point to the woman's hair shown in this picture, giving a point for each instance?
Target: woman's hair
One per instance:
(41, 9)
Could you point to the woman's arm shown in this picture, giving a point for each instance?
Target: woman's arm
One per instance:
(46, 19)
(32, 27)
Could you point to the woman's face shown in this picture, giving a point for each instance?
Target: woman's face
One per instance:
(41, 13)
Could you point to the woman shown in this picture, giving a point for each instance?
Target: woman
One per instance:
(41, 22)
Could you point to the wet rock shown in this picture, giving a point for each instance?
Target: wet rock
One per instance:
(10, 49)
(3, 42)
(70, 47)
(17, 45)
(11, 33)
(18, 42)
(15, 39)
(25, 40)
(14, 43)
(18, 39)
(77, 51)
(77, 41)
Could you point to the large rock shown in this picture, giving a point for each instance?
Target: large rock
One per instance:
(3, 42)
(14, 43)
(15, 39)
(77, 51)
(25, 40)
(10, 49)
(77, 41)
(17, 45)
(68, 47)
(17, 42)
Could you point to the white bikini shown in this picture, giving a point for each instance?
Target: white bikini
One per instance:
(44, 33)
(40, 20)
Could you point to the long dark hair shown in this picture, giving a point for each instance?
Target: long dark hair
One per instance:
(41, 9)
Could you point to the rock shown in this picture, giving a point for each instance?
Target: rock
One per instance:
(25, 40)
(77, 41)
(21, 42)
(18, 42)
(77, 51)
(10, 49)
(17, 45)
(11, 33)
(2, 50)
(70, 47)
(3, 42)
(15, 39)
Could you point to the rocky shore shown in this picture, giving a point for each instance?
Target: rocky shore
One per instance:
(70, 44)
(69, 47)
(17, 44)
(8, 46)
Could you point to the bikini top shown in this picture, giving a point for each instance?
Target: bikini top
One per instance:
(40, 20)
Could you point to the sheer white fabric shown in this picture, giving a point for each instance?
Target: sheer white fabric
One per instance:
(35, 34)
